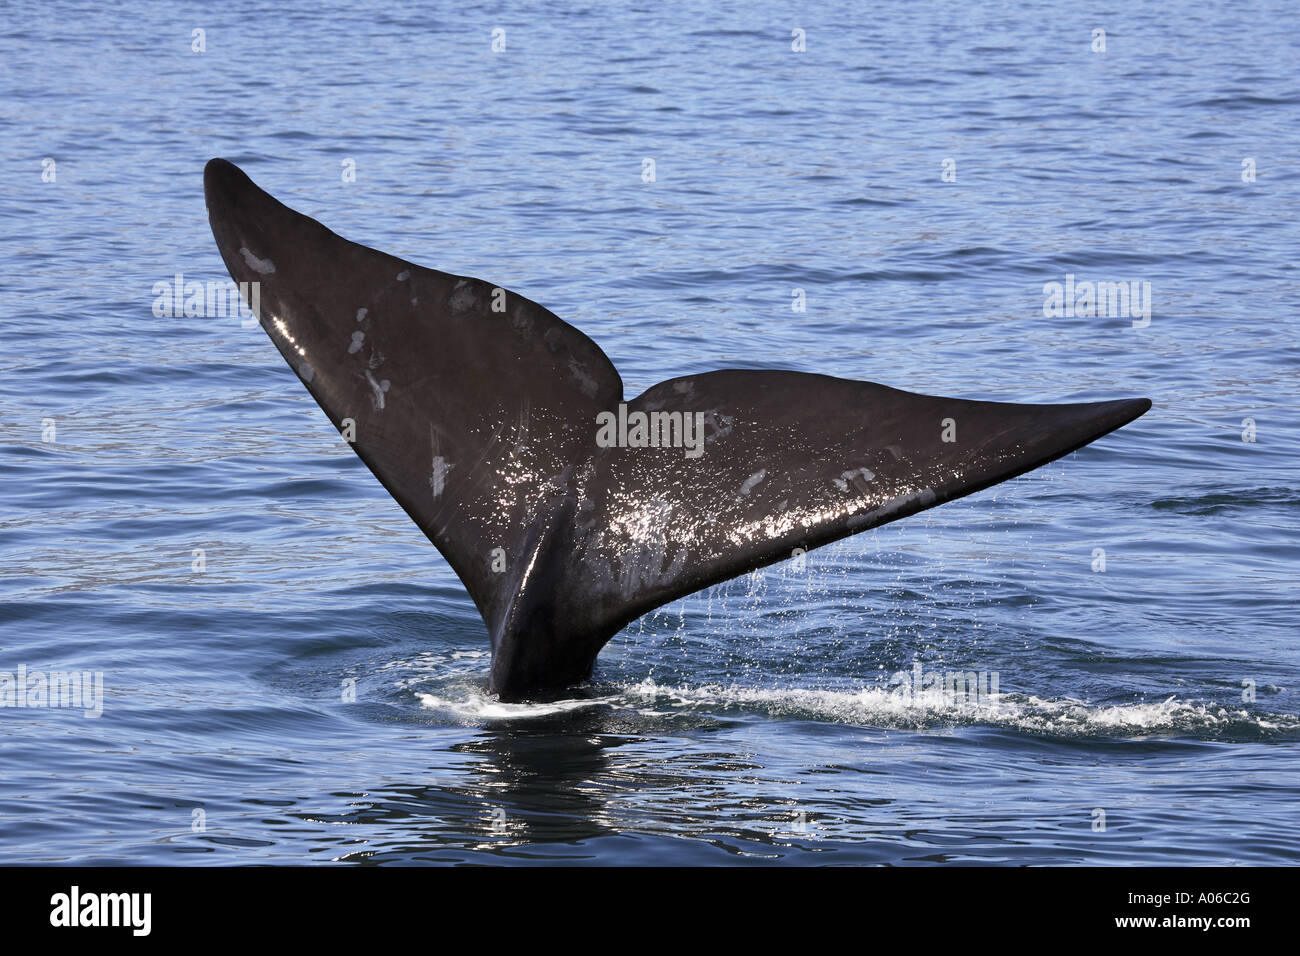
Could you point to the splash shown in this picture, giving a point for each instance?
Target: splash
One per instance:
(885, 707)
(892, 707)
(478, 704)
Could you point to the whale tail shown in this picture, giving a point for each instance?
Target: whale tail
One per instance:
(566, 510)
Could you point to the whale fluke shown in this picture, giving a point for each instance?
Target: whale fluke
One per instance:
(503, 432)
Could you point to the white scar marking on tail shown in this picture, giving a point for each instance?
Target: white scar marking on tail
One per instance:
(842, 482)
(438, 477)
(922, 499)
(752, 480)
(403, 275)
(355, 345)
(260, 266)
(378, 388)
(361, 314)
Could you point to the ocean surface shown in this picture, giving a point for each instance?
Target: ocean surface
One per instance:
(178, 516)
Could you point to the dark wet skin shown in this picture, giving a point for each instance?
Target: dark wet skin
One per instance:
(477, 409)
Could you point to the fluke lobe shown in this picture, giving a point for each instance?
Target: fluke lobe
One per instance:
(481, 413)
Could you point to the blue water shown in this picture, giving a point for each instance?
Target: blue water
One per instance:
(758, 721)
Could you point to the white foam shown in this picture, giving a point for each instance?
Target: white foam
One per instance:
(484, 706)
(897, 707)
(886, 706)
